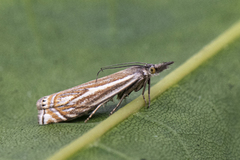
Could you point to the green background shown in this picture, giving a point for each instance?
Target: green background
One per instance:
(48, 46)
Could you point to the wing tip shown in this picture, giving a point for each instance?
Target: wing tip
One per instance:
(42, 103)
(41, 116)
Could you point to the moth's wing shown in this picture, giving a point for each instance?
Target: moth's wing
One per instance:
(79, 100)
(61, 106)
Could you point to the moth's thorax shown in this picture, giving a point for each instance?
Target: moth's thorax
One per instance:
(138, 70)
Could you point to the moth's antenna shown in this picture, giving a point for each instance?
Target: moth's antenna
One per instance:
(120, 65)
(127, 63)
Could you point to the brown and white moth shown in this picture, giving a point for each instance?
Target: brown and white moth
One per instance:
(89, 97)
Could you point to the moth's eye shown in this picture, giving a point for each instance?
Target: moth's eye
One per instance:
(152, 70)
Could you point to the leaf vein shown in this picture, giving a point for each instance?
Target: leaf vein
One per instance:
(170, 129)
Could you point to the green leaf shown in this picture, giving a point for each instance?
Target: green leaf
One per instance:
(48, 46)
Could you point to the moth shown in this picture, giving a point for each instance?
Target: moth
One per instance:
(89, 97)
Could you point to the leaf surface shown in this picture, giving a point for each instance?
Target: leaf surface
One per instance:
(48, 46)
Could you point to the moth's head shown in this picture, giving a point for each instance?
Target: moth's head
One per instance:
(157, 68)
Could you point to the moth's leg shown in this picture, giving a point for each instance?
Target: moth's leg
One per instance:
(124, 95)
(93, 112)
(127, 92)
(144, 86)
(149, 100)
